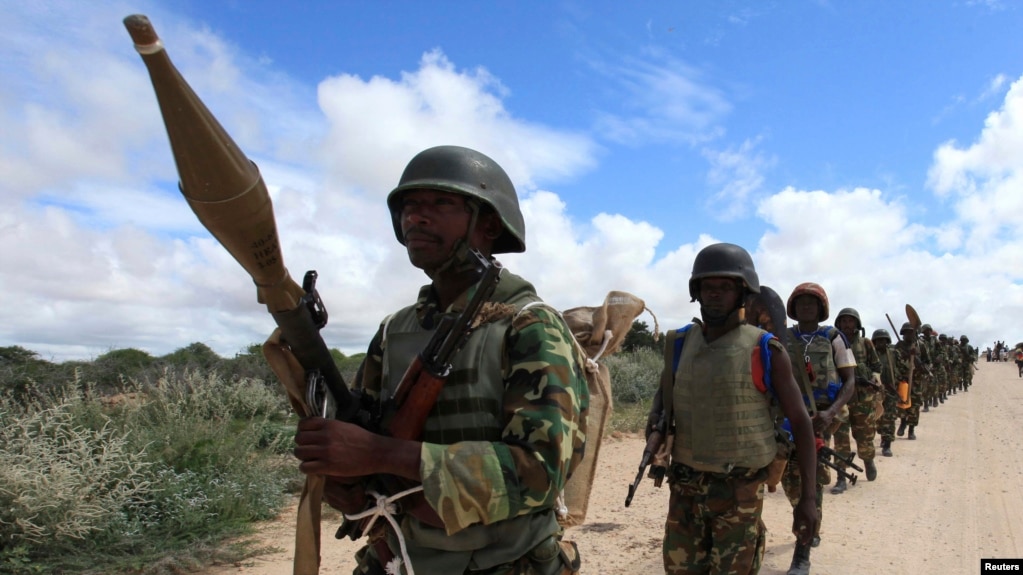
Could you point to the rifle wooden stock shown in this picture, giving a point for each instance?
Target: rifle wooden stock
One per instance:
(417, 394)
(227, 193)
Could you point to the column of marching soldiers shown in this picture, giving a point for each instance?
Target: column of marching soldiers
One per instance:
(889, 399)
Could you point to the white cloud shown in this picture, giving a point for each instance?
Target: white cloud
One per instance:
(662, 99)
(738, 175)
(102, 253)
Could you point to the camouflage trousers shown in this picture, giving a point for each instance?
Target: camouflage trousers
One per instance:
(714, 523)
(863, 413)
(886, 425)
(792, 483)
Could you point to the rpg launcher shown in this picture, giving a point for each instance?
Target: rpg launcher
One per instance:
(227, 194)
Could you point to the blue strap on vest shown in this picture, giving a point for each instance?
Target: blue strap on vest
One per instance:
(765, 354)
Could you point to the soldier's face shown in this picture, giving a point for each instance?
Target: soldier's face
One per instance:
(432, 222)
(847, 325)
(807, 308)
(719, 295)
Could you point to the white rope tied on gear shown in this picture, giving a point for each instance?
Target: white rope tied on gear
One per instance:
(385, 507)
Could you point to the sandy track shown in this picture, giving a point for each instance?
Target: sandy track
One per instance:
(943, 502)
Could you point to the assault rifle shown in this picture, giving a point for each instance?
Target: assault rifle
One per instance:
(414, 397)
(653, 443)
(826, 455)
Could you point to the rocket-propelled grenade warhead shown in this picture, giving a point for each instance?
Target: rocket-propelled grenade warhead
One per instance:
(224, 188)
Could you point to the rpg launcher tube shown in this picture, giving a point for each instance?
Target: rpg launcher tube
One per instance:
(227, 194)
(223, 188)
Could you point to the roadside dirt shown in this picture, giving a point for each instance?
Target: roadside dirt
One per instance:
(942, 503)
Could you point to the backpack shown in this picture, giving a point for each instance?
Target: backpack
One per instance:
(598, 332)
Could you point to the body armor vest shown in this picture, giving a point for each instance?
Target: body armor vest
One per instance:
(722, 421)
(859, 349)
(469, 406)
(816, 349)
(469, 409)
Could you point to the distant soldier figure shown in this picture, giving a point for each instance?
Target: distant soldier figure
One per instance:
(865, 405)
(910, 350)
(824, 364)
(893, 371)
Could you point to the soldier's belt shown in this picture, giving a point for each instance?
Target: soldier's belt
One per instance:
(682, 473)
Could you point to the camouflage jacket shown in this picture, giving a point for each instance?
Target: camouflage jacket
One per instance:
(542, 414)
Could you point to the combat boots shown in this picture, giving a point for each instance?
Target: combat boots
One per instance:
(911, 434)
(927, 406)
(870, 469)
(886, 447)
(800, 561)
(902, 428)
(840, 486)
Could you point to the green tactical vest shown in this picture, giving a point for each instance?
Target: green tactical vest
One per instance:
(817, 348)
(468, 409)
(859, 349)
(722, 421)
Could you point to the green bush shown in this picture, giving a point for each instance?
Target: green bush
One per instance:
(635, 378)
(147, 482)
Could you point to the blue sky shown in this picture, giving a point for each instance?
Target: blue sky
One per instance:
(873, 147)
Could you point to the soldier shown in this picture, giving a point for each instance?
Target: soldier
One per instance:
(949, 360)
(865, 405)
(892, 372)
(509, 425)
(969, 361)
(825, 366)
(719, 398)
(909, 349)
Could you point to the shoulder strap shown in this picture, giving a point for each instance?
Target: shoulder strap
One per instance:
(765, 362)
(680, 338)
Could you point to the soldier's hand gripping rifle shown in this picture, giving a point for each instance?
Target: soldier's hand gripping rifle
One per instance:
(404, 414)
(653, 444)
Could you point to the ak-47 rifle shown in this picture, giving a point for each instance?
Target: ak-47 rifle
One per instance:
(653, 444)
(826, 455)
(417, 392)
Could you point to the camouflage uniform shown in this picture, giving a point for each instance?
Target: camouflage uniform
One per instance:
(911, 417)
(969, 358)
(722, 508)
(863, 406)
(495, 485)
(714, 520)
(797, 345)
(893, 370)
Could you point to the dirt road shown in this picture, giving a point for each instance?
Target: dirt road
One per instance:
(943, 502)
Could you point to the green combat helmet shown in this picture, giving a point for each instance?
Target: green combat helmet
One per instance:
(881, 334)
(851, 313)
(907, 328)
(467, 172)
(723, 260)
